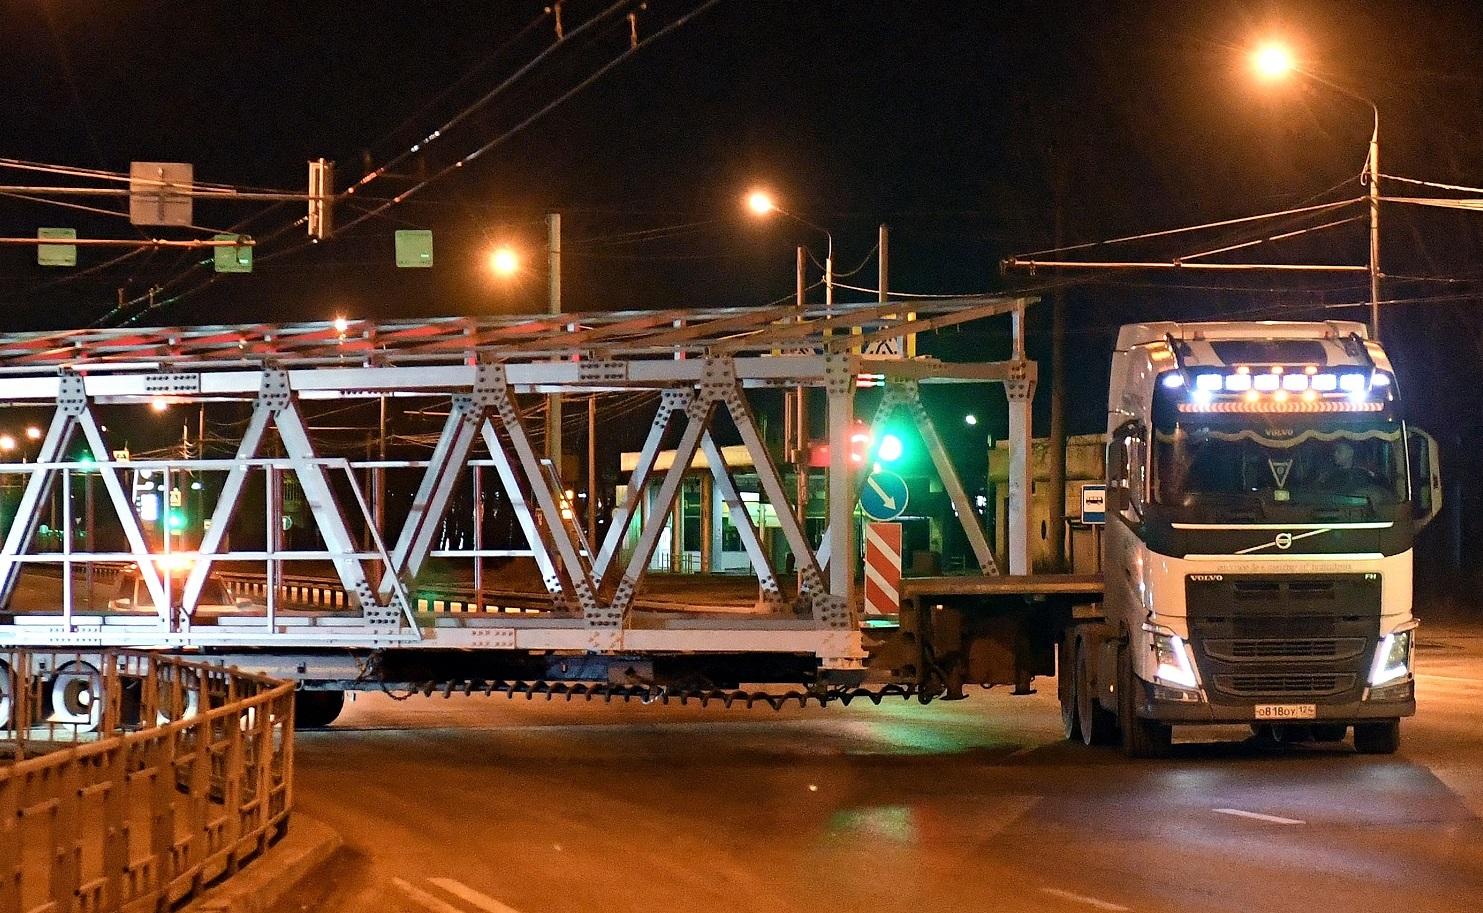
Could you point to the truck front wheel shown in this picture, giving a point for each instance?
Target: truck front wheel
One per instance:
(1142, 738)
(1377, 738)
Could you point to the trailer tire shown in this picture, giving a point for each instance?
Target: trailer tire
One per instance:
(1142, 738)
(317, 709)
(1066, 685)
(1377, 738)
(1098, 726)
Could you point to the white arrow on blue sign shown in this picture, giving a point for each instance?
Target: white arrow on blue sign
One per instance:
(883, 496)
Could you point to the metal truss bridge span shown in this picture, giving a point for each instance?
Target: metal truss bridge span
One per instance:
(483, 377)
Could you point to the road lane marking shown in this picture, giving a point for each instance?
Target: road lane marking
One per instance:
(415, 893)
(464, 892)
(1258, 816)
(1083, 899)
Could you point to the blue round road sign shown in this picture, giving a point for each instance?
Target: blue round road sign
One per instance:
(883, 496)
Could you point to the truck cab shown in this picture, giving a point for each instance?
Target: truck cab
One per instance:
(1264, 491)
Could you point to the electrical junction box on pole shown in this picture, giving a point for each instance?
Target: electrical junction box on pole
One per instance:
(231, 259)
(414, 248)
(1093, 504)
(160, 193)
(883, 496)
(56, 254)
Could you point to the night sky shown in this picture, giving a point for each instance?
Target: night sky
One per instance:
(960, 124)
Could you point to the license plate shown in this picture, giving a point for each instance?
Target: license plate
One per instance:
(1286, 711)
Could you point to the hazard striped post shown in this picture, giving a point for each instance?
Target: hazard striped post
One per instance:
(882, 568)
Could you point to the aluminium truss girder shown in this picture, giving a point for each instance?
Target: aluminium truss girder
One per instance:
(696, 361)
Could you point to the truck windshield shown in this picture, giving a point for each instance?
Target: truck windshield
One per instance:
(1284, 468)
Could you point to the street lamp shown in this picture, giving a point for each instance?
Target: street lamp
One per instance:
(504, 261)
(33, 433)
(1273, 61)
(7, 442)
(762, 204)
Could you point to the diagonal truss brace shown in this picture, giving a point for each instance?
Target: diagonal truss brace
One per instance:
(468, 419)
(276, 405)
(719, 386)
(502, 398)
(906, 394)
(73, 413)
(670, 402)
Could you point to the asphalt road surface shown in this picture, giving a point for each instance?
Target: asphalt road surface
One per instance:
(487, 805)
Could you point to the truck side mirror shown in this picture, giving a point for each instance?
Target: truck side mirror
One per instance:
(1426, 476)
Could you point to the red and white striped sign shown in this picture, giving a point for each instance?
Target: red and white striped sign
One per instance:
(882, 568)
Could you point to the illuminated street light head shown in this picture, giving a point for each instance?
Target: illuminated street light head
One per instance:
(33, 433)
(7, 443)
(159, 404)
(504, 262)
(1272, 61)
(760, 202)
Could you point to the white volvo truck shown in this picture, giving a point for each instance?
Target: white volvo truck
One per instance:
(1263, 495)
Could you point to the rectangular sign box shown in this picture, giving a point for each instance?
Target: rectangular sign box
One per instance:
(1093, 504)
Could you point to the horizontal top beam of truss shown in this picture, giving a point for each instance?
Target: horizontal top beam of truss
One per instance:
(195, 382)
(609, 335)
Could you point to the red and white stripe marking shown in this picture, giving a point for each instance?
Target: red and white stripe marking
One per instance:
(882, 568)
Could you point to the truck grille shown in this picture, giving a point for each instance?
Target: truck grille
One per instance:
(1283, 636)
(1300, 684)
(1234, 650)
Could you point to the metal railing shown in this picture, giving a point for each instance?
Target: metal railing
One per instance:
(137, 778)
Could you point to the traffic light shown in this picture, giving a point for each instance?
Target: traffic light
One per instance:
(175, 518)
(859, 443)
(890, 449)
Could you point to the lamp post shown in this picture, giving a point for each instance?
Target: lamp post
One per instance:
(761, 203)
(1273, 61)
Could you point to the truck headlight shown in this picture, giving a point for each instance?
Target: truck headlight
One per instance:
(1392, 658)
(1172, 664)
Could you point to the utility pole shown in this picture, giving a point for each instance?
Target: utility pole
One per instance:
(883, 275)
(799, 444)
(1057, 455)
(1373, 166)
(591, 468)
(553, 306)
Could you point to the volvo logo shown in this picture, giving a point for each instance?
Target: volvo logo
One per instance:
(1283, 541)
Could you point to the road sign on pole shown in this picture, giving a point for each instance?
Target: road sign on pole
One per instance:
(883, 496)
(414, 248)
(882, 568)
(1093, 504)
(56, 254)
(230, 258)
(160, 193)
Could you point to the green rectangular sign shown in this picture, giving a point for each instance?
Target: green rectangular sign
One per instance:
(56, 254)
(229, 259)
(414, 248)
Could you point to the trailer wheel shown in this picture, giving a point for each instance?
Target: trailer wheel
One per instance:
(1098, 727)
(1377, 738)
(317, 709)
(1066, 684)
(1142, 738)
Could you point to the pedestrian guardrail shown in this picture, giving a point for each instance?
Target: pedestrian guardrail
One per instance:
(133, 779)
